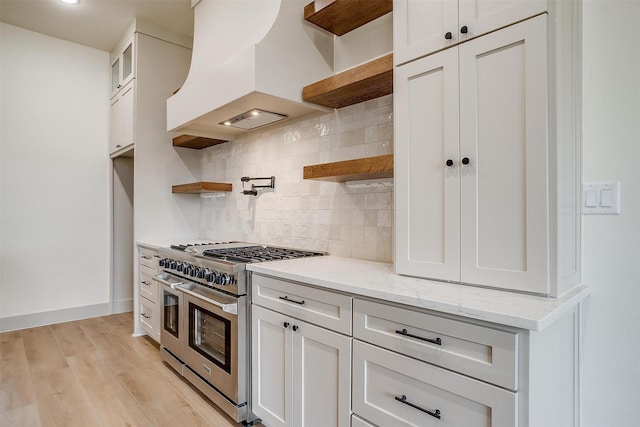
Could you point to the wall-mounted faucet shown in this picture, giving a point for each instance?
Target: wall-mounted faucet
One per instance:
(253, 191)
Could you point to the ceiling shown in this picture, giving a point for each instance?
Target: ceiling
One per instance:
(96, 23)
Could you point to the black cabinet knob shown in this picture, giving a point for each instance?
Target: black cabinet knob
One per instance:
(465, 160)
(464, 29)
(295, 328)
(286, 324)
(448, 36)
(449, 162)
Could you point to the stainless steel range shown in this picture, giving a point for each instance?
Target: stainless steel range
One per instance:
(204, 333)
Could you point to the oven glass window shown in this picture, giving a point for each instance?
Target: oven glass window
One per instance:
(210, 335)
(171, 313)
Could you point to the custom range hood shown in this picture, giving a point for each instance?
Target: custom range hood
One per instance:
(250, 61)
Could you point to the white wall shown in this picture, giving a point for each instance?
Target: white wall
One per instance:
(54, 191)
(611, 150)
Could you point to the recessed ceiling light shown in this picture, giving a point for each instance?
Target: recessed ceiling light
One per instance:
(70, 1)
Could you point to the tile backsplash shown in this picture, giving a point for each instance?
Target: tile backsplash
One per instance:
(305, 214)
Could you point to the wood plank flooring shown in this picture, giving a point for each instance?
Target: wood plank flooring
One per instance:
(94, 373)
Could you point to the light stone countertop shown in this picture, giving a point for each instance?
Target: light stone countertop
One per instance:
(378, 280)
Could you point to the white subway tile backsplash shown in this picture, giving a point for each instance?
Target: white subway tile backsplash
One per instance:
(307, 214)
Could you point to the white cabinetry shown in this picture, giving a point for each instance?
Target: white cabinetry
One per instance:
(423, 27)
(121, 118)
(148, 292)
(495, 375)
(121, 112)
(486, 171)
(301, 372)
(122, 66)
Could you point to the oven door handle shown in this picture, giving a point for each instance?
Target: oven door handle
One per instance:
(227, 308)
(161, 278)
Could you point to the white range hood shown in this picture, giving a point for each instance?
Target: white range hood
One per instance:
(248, 55)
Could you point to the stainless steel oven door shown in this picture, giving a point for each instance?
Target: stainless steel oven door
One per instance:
(211, 339)
(171, 318)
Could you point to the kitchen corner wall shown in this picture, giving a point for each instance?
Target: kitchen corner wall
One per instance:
(306, 214)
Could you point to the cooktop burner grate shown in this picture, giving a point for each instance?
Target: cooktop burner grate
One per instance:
(258, 253)
(183, 247)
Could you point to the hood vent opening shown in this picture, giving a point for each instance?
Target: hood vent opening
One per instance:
(253, 119)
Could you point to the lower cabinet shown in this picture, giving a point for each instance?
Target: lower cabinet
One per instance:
(301, 373)
(148, 292)
(402, 365)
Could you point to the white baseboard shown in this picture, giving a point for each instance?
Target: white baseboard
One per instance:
(64, 315)
(123, 306)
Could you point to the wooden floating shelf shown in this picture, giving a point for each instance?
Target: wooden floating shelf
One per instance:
(362, 83)
(195, 142)
(341, 16)
(201, 187)
(352, 170)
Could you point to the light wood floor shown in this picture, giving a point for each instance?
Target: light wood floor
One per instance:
(94, 373)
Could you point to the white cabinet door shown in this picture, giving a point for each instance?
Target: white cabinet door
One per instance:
(427, 190)
(122, 66)
(423, 27)
(301, 373)
(271, 367)
(121, 119)
(503, 133)
(419, 27)
(484, 219)
(115, 124)
(321, 377)
(483, 16)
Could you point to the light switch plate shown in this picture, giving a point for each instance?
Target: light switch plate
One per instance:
(601, 198)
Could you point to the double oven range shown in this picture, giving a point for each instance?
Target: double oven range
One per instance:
(204, 316)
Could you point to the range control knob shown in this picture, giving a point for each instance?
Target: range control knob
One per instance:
(201, 273)
(161, 263)
(180, 266)
(173, 265)
(211, 277)
(187, 269)
(223, 279)
(194, 271)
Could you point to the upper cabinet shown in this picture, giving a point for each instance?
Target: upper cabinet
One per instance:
(121, 125)
(122, 64)
(487, 158)
(138, 90)
(423, 27)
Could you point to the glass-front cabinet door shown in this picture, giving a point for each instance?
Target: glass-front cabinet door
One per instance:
(122, 66)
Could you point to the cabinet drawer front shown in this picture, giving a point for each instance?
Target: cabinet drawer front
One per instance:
(484, 353)
(149, 319)
(394, 390)
(148, 286)
(359, 422)
(147, 257)
(323, 308)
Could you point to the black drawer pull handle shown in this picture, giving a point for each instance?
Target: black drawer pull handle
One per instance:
(286, 298)
(404, 332)
(403, 399)
(145, 315)
(146, 283)
(145, 256)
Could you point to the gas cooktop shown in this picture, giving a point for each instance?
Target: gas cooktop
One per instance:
(258, 253)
